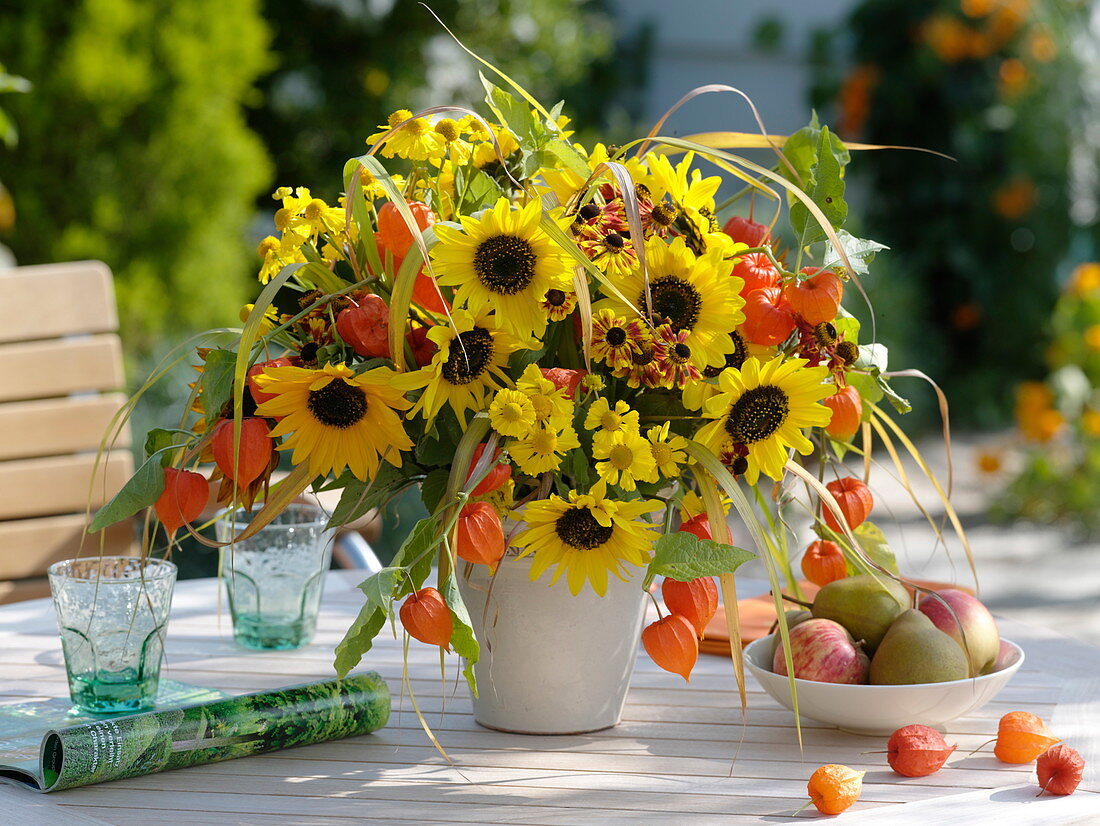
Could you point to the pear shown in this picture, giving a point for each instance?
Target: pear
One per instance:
(914, 651)
(863, 604)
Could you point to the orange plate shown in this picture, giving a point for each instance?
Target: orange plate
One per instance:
(758, 614)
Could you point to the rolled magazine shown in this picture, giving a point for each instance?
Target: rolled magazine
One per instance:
(216, 727)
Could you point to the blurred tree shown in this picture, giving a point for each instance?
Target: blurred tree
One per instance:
(134, 149)
(345, 66)
(977, 245)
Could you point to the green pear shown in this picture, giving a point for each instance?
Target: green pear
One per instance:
(914, 651)
(864, 605)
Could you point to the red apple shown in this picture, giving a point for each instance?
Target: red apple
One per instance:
(824, 651)
(971, 626)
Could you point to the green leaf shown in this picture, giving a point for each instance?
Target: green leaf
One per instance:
(160, 439)
(416, 554)
(860, 252)
(900, 403)
(513, 113)
(482, 191)
(439, 449)
(358, 639)
(141, 491)
(433, 487)
(683, 556)
(872, 357)
(868, 388)
(570, 158)
(848, 327)
(216, 383)
(379, 588)
(463, 641)
(873, 542)
(824, 183)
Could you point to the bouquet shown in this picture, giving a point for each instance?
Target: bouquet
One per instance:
(569, 353)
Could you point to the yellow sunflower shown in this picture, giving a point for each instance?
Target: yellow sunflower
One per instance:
(469, 364)
(553, 408)
(694, 294)
(511, 413)
(697, 392)
(333, 418)
(761, 411)
(692, 196)
(668, 450)
(543, 448)
(601, 415)
(626, 458)
(586, 536)
(503, 261)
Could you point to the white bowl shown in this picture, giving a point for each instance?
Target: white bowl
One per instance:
(880, 709)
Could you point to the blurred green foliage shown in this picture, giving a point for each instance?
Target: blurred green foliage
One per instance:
(134, 149)
(344, 67)
(979, 244)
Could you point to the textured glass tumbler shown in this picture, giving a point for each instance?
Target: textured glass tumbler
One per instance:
(275, 579)
(112, 612)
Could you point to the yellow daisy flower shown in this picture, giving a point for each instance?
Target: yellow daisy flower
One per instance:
(512, 414)
(416, 140)
(333, 418)
(691, 293)
(692, 196)
(586, 536)
(552, 407)
(484, 152)
(278, 252)
(626, 458)
(543, 449)
(763, 408)
(602, 416)
(469, 364)
(457, 149)
(668, 450)
(503, 261)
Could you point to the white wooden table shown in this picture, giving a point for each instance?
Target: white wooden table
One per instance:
(681, 755)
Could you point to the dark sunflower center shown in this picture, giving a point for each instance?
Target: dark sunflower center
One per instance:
(589, 211)
(663, 214)
(615, 336)
(505, 264)
(468, 356)
(735, 359)
(555, 298)
(680, 353)
(644, 356)
(825, 334)
(758, 414)
(847, 352)
(614, 241)
(578, 528)
(338, 404)
(676, 300)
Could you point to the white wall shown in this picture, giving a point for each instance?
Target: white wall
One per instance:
(709, 41)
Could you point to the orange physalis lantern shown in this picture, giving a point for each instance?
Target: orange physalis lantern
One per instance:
(834, 788)
(696, 601)
(817, 298)
(365, 327)
(855, 501)
(1022, 737)
(917, 751)
(258, 395)
(672, 644)
(757, 271)
(697, 526)
(255, 449)
(823, 562)
(847, 407)
(498, 474)
(768, 318)
(183, 499)
(427, 618)
(393, 232)
(480, 535)
(1060, 770)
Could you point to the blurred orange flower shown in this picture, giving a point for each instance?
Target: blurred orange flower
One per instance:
(1014, 77)
(1015, 199)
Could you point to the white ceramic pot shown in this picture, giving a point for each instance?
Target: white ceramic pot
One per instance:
(551, 662)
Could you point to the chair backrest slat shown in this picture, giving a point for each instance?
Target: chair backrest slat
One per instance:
(50, 427)
(55, 300)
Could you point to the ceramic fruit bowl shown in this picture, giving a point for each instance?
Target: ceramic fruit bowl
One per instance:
(882, 709)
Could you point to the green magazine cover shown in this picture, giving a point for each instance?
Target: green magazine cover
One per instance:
(45, 747)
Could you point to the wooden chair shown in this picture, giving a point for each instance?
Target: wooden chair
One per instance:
(60, 376)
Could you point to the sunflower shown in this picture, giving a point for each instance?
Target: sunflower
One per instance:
(512, 413)
(552, 407)
(616, 339)
(697, 392)
(543, 448)
(611, 252)
(761, 411)
(668, 450)
(333, 418)
(601, 415)
(626, 458)
(692, 196)
(416, 140)
(503, 261)
(469, 364)
(689, 293)
(680, 364)
(586, 536)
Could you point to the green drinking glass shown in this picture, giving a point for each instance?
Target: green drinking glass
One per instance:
(112, 612)
(274, 579)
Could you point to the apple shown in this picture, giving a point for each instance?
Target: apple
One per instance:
(971, 626)
(824, 651)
